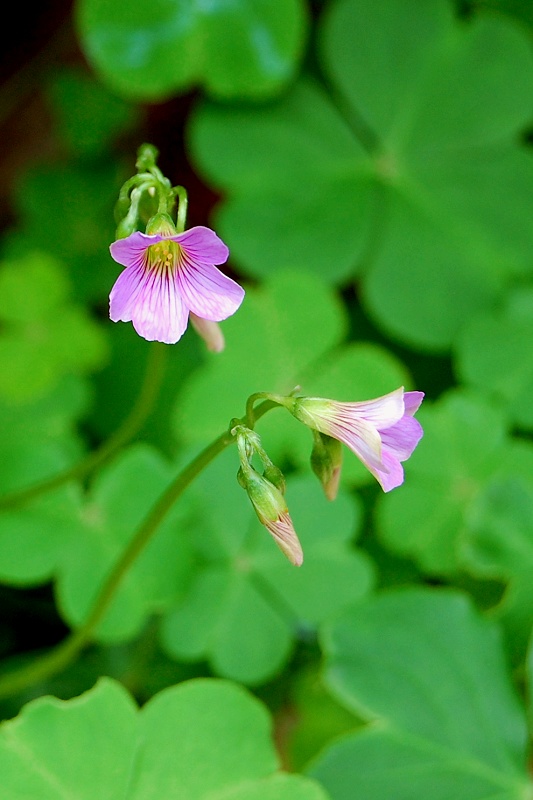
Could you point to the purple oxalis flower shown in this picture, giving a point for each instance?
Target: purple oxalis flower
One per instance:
(169, 275)
(382, 432)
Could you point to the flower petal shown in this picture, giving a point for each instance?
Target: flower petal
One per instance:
(285, 537)
(130, 251)
(202, 245)
(412, 402)
(362, 438)
(151, 301)
(401, 439)
(207, 292)
(382, 412)
(392, 476)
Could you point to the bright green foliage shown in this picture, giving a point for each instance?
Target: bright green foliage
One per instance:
(430, 674)
(88, 117)
(464, 447)
(494, 354)
(118, 502)
(148, 50)
(43, 336)
(319, 718)
(438, 105)
(35, 536)
(247, 604)
(499, 544)
(202, 740)
(49, 418)
(284, 346)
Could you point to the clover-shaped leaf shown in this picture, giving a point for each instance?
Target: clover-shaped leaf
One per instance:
(493, 354)
(203, 740)
(151, 50)
(430, 674)
(465, 446)
(119, 500)
(247, 604)
(439, 105)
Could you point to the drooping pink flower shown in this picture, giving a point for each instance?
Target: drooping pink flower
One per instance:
(169, 275)
(382, 432)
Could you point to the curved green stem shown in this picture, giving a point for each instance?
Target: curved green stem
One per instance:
(61, 656)
(133, 422)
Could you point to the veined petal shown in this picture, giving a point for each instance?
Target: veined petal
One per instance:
(392, 476)
(130, 251)
(202, 245)
(207, 292)
(361, 437)
(401, 439)
(285, 537)
(151, 301)
(381, 412)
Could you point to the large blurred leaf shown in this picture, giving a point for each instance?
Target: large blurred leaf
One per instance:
(439, 106)
(35, 536)
(44, 336)
(247, 604)
(67, 211)
(494, 353)
(201, 740)
(499, 544)
(150, 50)
(88, 117)
(464, 446)
(299, 184)
(430, 674)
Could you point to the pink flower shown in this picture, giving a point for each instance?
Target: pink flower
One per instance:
(169, 275)
(382, 432)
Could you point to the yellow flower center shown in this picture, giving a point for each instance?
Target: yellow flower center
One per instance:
(163, 257)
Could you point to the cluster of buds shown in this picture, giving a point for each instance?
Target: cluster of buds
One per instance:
(266, 493)
(381, 432)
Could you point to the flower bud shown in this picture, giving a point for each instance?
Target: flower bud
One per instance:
(326, 462)
(209, 331)
(271, 509)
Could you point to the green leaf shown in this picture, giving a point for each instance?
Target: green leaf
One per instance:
(430, 674)
(204, 739)
(247, 603)
(390, 175)
(493, 354)
(67, 212)
(464, 447)
(151, 50)
(300, 185)
(119, 500)
(88, 117)
(34, 537)
(499, 544)
(44, 336)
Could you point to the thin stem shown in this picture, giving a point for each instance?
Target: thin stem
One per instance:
(133, 422)
(61, 656)
(183, 203)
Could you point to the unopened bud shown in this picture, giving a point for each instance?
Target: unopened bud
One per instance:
(326, 462)
(271, 509)
(209, 331)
